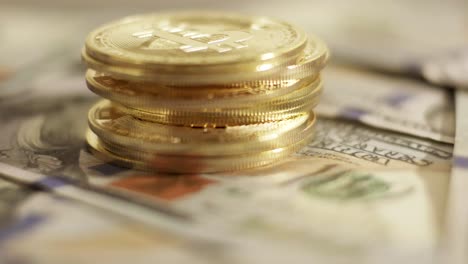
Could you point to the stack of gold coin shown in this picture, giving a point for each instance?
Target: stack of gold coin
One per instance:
(199, 92)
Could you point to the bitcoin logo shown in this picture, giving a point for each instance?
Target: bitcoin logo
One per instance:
(166, 40)
(192, 40)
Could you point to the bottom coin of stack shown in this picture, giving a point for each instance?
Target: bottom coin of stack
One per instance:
(126, 140)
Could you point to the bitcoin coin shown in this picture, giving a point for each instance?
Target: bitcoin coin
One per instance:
(108, 87)
(201, 148)
(111, 125)
(136, 159)
(181, 41)
(220, 117)
(164, 99)
(310, 62)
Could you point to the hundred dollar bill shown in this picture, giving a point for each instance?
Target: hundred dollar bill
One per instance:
(39, 228)
(393, 103)
(349, 176)
(457, 216)
(345, 171)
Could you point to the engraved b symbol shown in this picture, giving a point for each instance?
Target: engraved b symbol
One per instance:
(191, 41)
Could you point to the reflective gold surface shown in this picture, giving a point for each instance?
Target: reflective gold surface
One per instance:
(191, 102)
(263, 112)
(310, 61)
(199, 92)
(107, 86)
(173, 41)
(138, 159)
(114, 126)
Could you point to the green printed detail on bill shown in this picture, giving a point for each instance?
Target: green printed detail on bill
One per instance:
(352, 186)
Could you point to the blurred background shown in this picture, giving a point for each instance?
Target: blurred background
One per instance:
(391, 35)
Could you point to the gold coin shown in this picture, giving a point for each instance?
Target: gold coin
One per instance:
(149, 95)
(157, 143)
(312, 59)
(106, 120)
(100, 82)
(185, 41)
(124, 130)
(221, 117)
(137, 159)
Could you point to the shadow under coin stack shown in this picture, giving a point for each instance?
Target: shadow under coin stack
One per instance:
(201, 92)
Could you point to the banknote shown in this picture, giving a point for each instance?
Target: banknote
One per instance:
(389, 102)
(305, 208)
(36, 227)
(312, 201)
(11, 196)
(457, 217)
(349, 175)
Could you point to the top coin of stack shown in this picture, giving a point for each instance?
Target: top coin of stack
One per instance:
(201, 91)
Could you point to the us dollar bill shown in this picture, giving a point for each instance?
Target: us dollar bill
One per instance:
(390, 102)
(457, 217)
(349, 175)
(36, 227)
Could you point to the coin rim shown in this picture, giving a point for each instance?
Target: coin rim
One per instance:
(293, 69)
